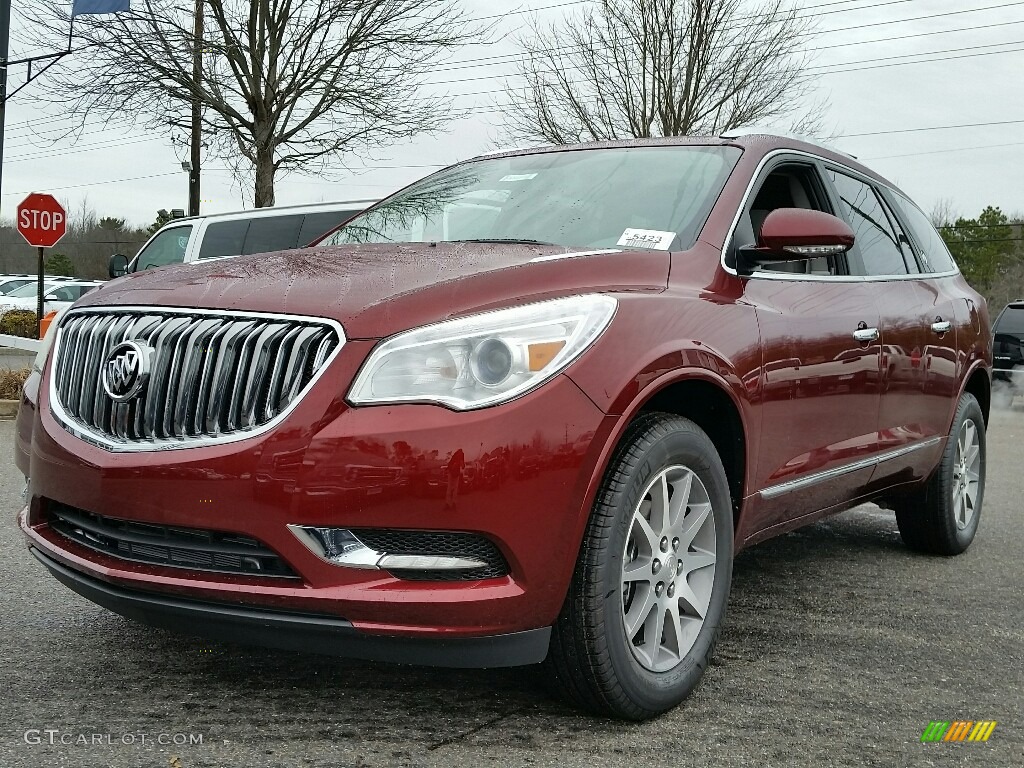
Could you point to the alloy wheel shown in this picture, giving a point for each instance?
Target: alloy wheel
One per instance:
(966, 474)
(668, 570)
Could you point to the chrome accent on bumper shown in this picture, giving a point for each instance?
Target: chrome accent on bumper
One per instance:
(358, 555)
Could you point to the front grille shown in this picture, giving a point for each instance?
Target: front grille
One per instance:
(192, 548)
(211, 375)
(437, 543)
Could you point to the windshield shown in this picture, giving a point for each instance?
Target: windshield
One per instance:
(646, 197)
(31, 289)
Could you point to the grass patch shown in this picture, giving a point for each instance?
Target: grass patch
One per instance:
(11, 382)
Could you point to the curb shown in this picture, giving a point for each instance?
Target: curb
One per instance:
(9, 409)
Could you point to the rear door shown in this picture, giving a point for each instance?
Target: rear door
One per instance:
(919, 331)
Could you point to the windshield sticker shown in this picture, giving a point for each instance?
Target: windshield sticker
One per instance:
(519, 177)
(646, 238)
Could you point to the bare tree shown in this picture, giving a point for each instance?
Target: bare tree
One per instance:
(943, 213)
(640, 68)
(284, 84)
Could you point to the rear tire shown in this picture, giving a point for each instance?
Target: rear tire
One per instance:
(942, 518)
(649, 592)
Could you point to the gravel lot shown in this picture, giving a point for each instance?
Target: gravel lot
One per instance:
(839, 648)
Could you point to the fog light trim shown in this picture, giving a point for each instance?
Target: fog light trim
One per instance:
(339, 546)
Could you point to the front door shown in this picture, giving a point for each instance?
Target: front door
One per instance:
(820, 376)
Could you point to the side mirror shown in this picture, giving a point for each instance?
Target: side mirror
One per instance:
(794, 234)
(117, 266)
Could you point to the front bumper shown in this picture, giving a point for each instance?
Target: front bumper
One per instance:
(530, 475)
(298, 632)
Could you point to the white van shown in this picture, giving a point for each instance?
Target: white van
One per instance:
(259, 230)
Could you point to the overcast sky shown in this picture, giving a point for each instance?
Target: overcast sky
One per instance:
(973, 166)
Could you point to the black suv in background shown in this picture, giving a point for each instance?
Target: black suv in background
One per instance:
(1008, 349)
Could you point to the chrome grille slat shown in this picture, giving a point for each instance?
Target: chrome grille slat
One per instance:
(258, 371)
(203, 333)
(213, 376)
(225, 366)
(156, 390)
(94, 346)
(277, 372)
(113, 336)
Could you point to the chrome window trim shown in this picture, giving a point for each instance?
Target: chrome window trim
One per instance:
(100, 440)
(792, 276)
(774, 491)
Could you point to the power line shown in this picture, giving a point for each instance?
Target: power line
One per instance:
(951, 149)
(475, 61)
(515, 56)
(97, 183)
(834, 46)
(931, 128)
(468, 111)
(869, 62)
(83, 148)
(534, 10)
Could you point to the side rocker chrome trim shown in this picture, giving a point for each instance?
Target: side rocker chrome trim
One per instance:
(774, 491)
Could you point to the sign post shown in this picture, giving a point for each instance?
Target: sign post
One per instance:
(42, 222)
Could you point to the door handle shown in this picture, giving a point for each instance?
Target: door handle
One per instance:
(942, 326)
(866, 335)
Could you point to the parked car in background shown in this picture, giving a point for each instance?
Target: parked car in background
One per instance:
(1008, 350)
(670, 349)
(10, 283)
(258, 230)
(56, 295)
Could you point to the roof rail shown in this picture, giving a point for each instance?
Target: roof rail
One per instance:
(762, 130)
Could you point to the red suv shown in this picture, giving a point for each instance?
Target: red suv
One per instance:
(525, 410)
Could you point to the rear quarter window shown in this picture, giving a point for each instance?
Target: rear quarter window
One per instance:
(224, 238)
(317, 225)
(273, 233)
(931, 248)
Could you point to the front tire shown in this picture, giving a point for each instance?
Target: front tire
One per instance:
(942, 518)
(648, 596)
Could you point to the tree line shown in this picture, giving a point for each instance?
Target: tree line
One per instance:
(83, 252)
(988, 249)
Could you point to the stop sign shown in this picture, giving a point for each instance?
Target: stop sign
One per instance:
(41, 220)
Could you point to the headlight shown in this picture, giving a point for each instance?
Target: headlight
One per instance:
(483, 359)
(46, 343)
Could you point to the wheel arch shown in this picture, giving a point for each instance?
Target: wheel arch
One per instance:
(979, 384)
(710, 401)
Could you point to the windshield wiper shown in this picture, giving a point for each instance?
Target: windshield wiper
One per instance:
(517, 240)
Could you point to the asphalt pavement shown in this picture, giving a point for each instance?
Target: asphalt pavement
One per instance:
(839, 648)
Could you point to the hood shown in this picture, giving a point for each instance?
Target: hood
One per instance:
(377, 290)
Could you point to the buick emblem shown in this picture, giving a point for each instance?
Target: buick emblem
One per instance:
(126, 370)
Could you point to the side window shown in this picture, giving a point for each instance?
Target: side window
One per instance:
(317, 225)
(224, 238)
(931, 248)
(168, 247)
(61, 294)
(787, 186)
(272, 233)
(877, 241)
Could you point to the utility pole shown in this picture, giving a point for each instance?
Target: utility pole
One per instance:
(5, 43)
(197, 133)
